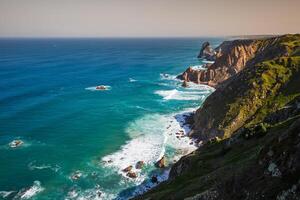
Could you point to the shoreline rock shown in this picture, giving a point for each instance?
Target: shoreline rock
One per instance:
(161, 163)
(127, 169)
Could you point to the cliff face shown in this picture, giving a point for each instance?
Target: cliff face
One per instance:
(256, 116)
(238, 99)
(232, 57)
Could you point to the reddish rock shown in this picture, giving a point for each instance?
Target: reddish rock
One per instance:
(127, 169)
(161, 163)
(131, 175)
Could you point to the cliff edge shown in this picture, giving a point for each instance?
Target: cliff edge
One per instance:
(250, 127)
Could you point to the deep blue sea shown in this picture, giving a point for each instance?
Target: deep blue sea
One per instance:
(48, 100)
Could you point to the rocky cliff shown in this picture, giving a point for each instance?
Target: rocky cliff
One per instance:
(238, 99)
(233, 56)
(251, 129)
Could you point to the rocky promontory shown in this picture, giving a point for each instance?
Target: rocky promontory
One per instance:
(250, 127)
(231, 57)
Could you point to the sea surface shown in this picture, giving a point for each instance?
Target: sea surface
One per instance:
(77, 139)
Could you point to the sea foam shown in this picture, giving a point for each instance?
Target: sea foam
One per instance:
(151, 135)
(30, 192)
(93, 88)
(179, 95)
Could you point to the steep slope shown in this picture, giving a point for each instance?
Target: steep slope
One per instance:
(261, 85)
(251, 129)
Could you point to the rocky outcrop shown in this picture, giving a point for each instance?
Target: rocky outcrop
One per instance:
(233, 56)
(207, 52)
(250, 127)
(237, 100)
(161, 163)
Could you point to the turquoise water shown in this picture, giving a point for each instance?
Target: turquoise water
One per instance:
(47, 100)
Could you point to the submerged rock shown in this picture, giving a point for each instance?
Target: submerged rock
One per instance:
(161, 163)
(76, 175)
(139, 164)
(154, 179)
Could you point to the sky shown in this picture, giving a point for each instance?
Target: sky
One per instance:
(147, 18)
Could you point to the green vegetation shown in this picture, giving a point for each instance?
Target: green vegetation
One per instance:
(260, 122)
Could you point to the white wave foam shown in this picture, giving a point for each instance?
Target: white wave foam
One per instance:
(6, 194)
(208, 61)
(132, 80)
(167, 77)
(180, 95)
(198, 67)
(94, 88)
(89, 194)
(151, 135)
(33, 166)
(30, 192)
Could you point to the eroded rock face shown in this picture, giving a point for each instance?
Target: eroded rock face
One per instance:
(238, 97)
(230, 58)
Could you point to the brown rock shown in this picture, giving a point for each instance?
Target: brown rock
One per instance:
(161, 163)
(184, 84)
(127, 169)
(131, 175)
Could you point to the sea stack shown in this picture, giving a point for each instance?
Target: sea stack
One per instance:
(207, 52)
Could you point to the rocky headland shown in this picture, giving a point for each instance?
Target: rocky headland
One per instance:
(250, 125)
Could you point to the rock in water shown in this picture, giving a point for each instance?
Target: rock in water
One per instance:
(131, 175)
(185, 84)
(15, 143)
(127, 169)
(207, 52)
(161, 163)
(154, 179)
(139, 164)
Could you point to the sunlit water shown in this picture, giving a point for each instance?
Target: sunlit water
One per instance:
(48, 100)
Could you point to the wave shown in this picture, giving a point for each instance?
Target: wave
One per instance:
(33, 166)
(30, 192)
(151, 136)
(6, 194)
(198, 67)
(208, 61)
(95, 193)
(94, 88)
(132, 80)
(167, 77)
(180, 95)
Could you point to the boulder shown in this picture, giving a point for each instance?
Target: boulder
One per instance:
(131, 175)
(139, 164)
(127, 169)
(185, 84)
(161, 163)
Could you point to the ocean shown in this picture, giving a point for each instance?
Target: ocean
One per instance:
(77, 139)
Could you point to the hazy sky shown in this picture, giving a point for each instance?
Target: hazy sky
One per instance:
(147, 18)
